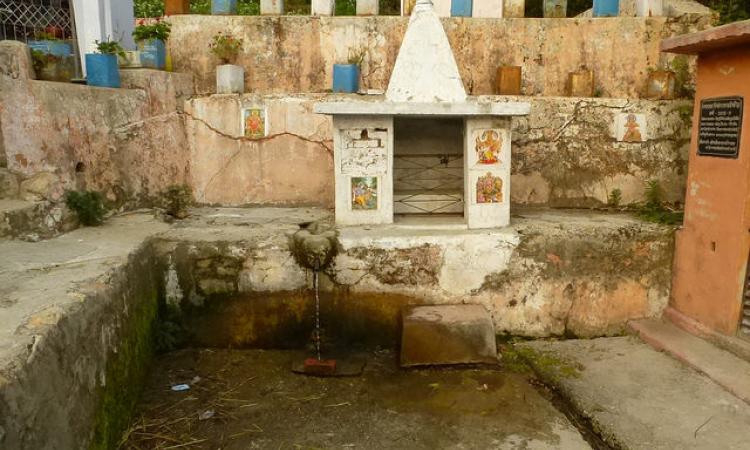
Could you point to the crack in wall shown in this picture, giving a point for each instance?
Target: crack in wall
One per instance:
(270, 137)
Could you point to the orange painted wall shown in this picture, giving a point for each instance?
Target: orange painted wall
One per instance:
(712, 248)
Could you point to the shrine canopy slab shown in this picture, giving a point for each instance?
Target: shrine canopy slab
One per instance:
(728, 36)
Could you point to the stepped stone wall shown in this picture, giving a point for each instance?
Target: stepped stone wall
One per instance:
(295, 54)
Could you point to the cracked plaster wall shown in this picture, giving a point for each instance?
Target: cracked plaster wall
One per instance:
(292, 165)
(127, 143)
(565, 153)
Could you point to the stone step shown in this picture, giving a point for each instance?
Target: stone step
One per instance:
(9, 186)
(32, 221)
(447, 334)
(724, 368)
(740, 347)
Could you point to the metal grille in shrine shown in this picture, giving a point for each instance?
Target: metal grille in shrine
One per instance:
(428, 166)
(22, 19)
(428, 184)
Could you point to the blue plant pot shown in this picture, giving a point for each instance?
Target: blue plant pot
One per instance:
(345, 78)
(606, 8)
(56, 48)
(153, 54)
(223, 7)
(461, 8)
(102, 70)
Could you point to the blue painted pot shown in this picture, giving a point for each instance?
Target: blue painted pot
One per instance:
(223, 7)
(461, 8)
(56, 48)
(102, 70)
(153, 53)
(345, 78)
(606, 8)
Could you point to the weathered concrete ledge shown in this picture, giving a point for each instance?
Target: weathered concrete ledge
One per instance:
(78, 312)
(624, 387)
(467, 108)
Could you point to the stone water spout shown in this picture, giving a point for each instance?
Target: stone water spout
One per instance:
(314, 246)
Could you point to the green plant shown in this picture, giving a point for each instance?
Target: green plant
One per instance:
(615, 198)
(225, 47)
(45, 36)
(39, 60)
(157, 30)
(169, 333)
(87, 205)
(110, 48)
(356, 56)
(176, 200)
(654, 209)
(684, 87)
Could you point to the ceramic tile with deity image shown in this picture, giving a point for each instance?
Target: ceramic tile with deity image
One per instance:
(364, 193)
(254, 122)
(631, 128)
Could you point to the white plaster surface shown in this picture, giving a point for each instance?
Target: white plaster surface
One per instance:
(322, 7)
(487, 8)
(649, 8)
(351, 161)
(425, 69)
(271, 7)
(486, 215)
(101, 20)
(230, 79)
(368, 7)
(470, 107)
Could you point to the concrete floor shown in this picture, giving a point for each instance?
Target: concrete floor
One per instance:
(255, 401)
(639, 398)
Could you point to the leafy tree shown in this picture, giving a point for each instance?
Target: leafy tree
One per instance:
(729, 10)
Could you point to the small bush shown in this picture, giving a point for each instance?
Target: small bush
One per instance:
(176, 200)
(88, 206)
(653, 208)
(615, 198)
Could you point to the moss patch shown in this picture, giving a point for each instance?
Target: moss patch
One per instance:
(125, 374)
(548, 366)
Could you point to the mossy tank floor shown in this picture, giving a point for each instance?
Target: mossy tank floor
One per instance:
(241, 399)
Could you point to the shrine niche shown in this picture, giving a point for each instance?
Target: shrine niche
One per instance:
(631, 128)
(425, 151)
(253, 122)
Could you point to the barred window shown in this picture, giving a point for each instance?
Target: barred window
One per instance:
(22, 19)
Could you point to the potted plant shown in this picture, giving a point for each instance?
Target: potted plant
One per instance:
(223, 7)
(151, 42)
(230, 78)
(52, 57)
(102, 68)
(346, 76)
